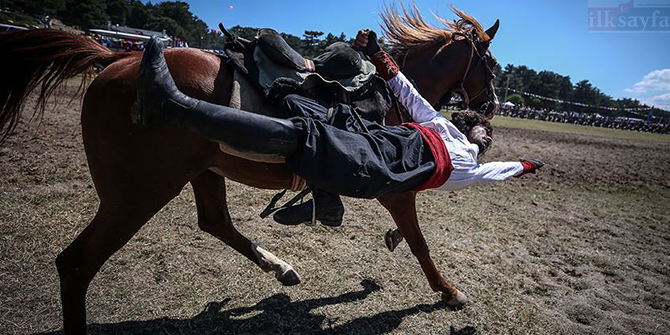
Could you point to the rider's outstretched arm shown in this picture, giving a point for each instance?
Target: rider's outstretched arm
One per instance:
(489, 173)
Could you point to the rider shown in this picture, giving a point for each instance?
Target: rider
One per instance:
(432, 153)
(466, 137)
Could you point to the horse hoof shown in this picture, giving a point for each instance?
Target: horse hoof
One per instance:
(392, 238)
(289, 278)
(457, 301)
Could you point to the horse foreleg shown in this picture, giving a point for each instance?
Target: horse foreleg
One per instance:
(402, 207)
(214, 218)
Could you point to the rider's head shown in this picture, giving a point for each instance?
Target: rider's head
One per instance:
(476, 127)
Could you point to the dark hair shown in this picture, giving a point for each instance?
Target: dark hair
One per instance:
(468, 119)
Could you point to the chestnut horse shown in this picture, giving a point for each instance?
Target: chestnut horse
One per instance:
(138, 170)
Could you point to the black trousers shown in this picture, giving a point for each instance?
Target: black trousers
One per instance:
(339, 156)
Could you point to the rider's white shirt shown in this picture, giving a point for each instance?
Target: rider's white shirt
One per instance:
(463, 154)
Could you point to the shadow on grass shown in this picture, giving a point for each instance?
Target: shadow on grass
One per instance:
(274, 315)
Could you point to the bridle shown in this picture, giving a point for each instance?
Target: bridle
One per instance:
(465, 104)
(490, 91)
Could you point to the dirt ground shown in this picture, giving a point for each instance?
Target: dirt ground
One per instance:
(580, 248)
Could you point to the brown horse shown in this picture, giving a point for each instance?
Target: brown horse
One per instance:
(138, 170)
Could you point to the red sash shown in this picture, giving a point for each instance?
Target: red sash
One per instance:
(443, 165)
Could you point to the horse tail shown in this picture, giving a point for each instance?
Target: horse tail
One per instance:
(43, 59)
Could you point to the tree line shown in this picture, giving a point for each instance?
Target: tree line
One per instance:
(553, 85)
(174, 17)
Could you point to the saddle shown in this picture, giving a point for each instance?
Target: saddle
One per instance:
(339, 75)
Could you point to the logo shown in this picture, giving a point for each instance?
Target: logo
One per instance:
(634, 16)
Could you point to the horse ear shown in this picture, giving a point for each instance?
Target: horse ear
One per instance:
(493, 30)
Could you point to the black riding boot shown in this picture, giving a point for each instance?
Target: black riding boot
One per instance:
(160, 103)
(275, 47)
(329, 210)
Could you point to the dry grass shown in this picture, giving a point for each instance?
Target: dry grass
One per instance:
(580, 248)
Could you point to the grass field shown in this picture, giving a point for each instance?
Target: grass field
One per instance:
(579, 248)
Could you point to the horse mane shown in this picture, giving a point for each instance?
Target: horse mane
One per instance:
(408, 31)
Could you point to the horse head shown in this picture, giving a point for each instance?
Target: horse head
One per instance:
(442, 61)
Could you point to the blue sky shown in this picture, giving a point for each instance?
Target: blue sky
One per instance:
(544, 35)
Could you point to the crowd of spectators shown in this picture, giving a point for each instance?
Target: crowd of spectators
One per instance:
(117, 44)
(587, 119)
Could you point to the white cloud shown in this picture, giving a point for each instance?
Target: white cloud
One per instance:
(660, 101)
(654, 81)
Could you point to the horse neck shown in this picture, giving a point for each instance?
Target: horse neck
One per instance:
(433, 80)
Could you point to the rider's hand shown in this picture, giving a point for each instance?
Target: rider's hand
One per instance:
(366, 41)
(530, 166)
(361, 40)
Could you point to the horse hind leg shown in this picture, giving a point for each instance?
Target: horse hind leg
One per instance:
(111, 229)
(214, 218)
(127, 202)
